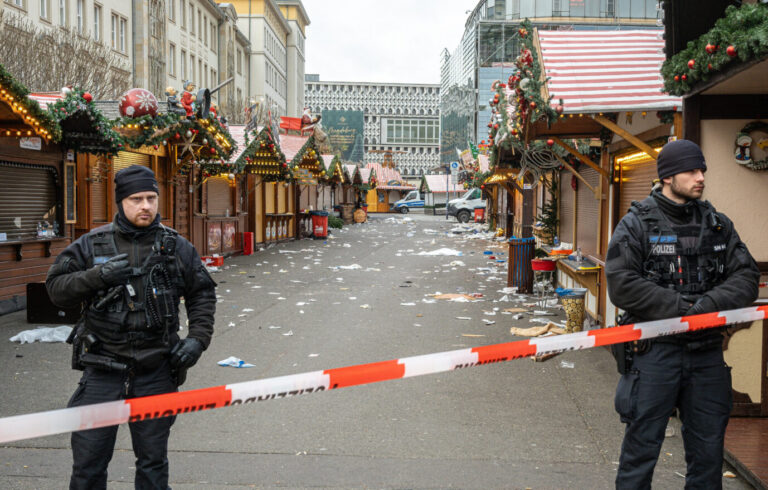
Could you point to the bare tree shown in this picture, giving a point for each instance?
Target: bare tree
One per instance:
(46, 59)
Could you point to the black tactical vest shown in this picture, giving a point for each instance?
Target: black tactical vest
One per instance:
(109, 314)
(689, 259)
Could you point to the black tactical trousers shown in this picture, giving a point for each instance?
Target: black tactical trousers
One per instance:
(666, 377)
(92, 449)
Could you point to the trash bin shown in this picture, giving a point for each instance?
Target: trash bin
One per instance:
(519, 271)
(248, 243)
(573, 304)
(479, 215)
(319, 224)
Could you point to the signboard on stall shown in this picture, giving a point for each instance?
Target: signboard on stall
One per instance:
(345, 133)
(304, 177)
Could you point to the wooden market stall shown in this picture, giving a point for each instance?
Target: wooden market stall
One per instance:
(38, 202)
(269, 195)
(350, 197)
(724, 110)
(390, 187)
(304, 160)
(333, 182)
(438, 190)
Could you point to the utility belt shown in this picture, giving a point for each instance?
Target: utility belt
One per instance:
(626, 352)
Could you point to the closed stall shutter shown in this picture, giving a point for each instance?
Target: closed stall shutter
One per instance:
(98, 197)
(126, 159)
(219, 197)
(587, 212)
(31, 199)
(636, 182)
(566, 207)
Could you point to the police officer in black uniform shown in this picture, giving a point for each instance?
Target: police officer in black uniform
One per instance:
(129, 277)
(674, 255)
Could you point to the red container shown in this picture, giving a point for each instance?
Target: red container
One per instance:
(248, 243)
(479, 215)
(543, 265)
(212, 261)
(320, 225)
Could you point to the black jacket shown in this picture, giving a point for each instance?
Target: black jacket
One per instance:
(645, 300)
(73, 279)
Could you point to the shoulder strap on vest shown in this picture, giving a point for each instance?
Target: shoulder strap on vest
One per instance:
(103, 245)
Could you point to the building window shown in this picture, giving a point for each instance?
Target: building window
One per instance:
(45, 9)
(18, 3)
(119, 25)
(191, 68)
(214, 38)
(239, 62)
(200, 25)
(411, 131)
(183, 65)
(172, 59)
(97, 22)
(63, 13)
(172, 10)
(205, 29)
(204, 75)
(80, 16)
(183, 12)
(191, 19)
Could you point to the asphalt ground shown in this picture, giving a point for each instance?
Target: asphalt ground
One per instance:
(519, 424)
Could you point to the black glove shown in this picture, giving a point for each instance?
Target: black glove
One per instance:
(186, 353)
(685, 302)
(705, 304)
(116, 270)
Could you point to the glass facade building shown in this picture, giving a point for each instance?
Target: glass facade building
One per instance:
(489, 46)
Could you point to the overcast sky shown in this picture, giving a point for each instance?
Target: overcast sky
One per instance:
(382, 41)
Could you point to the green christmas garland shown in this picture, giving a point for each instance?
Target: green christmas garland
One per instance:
(264, 140)
(19, 92)
(530, 106)
(98, 137)
(169, 128)
(742, 34)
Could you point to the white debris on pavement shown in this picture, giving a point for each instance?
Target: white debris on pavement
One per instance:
(442, 251)
(43, 334)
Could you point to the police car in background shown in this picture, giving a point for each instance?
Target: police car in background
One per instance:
(413, 199)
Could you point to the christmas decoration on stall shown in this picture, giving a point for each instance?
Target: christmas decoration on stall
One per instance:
(740, 36)
(263, 156)
(334, 171)
(744, 153)
(308, 158)
(84, 128)
(204, 138)
(35, 121)
(546, 228)
(519, 103)
(473, 177)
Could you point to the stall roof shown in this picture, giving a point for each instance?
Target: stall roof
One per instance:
(389, 178)
(365, 175)
(604, 71)
(439, 184)
(44, 99)
(291, 144)
(352, 172)
(237, 131)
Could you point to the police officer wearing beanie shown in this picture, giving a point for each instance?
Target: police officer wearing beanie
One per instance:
(129, 277)
(674, 255)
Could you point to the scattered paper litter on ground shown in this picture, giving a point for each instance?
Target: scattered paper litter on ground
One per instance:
(472, 335)
(515, 310)
(457, 263)
(247, 310)
(407, 304)
(567, 365)
(289, 332)
(346, 267)
(442, 251)
(43, 334)
(488, 322)
(235, 362)
(463, 318)
(537, 331)
(455, 297)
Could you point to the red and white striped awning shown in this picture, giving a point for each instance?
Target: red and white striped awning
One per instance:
(596, 71)
(44, 99)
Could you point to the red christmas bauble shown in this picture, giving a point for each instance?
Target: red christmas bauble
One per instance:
(685, 77)
(709, 66)
(533, 105)
(559, 108)
(677, 78)
(213, 150)
(731, 51)
(87, 96)
(178, 136)
(691, 64)
(550, 142)
(490, 125)
(514, 132)
(482, 186)
(710, 48)
(496, 126)
(137, 102)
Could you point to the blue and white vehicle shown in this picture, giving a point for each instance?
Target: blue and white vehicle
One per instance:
(413, 199)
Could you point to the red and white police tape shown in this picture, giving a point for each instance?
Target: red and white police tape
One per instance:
(113, 413)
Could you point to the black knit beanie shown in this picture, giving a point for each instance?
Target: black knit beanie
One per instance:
(679, 156)
(134, 179)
